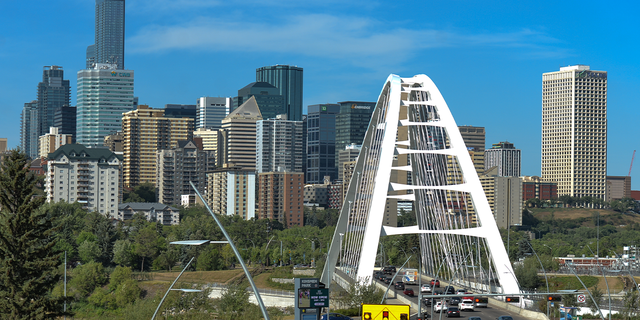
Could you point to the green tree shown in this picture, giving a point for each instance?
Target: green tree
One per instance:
(146, 245)
(85, 278)
(118, 276)
(631, 304)
(145, 192)
(28, 262)
(89, 251)
(127, 292)
(597, 295)
(233, 302)
(361, 292)
(527, 273)
(123, 253)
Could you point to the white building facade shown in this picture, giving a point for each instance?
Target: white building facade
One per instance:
(210, 111)
(574, 131)
(90, 176)
(505, 157)
(279, 146)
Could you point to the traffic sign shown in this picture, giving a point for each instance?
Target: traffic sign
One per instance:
(582, 298)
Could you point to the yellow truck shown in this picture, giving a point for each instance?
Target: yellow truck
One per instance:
(385, 311)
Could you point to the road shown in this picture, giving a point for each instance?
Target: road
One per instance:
(489, 313)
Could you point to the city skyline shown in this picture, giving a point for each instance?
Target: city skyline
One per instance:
(488, 59)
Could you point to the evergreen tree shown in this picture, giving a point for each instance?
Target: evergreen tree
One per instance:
(28, 262)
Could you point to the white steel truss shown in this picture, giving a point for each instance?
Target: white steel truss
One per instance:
(459, 238)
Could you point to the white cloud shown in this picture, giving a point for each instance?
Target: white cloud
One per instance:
(319, 35)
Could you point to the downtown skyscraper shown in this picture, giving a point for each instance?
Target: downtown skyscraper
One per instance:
(109, 34)
(53, 92)
(574, 131)
(104, 94)
(288, 80)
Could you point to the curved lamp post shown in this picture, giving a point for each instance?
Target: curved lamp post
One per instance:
(263, 308)
(171, 286)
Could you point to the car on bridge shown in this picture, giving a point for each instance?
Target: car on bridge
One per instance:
(399, 285)
(425, 288)
(440, 306)
(409, 292)
(453, 312)
(467, 304)
(435, 283)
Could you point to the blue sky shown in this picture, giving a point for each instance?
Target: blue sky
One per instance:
(486, 57)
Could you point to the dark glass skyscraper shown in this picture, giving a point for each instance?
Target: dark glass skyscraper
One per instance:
(288, 79)
(268, 97)
(53, 92)
(109, 38)
(65, 119)
(352, 123)
(321, 142)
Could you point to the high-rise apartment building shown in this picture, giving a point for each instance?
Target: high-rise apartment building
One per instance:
(574, 131)
(210, 111)
(352, 123)
(177, 167)
(288, 79)
(114, 142)
(3, 144)
(104, 94)
(209, 139)
(237, 138)
(146, 131)
(269, 100)
(109, 34)
(504, 156)
(232, 191)
(321, 142)
(279, 146)
(90, 176)
(64, 118)
(29, 129)
(53, 92)
(53, 140)
(280, 197)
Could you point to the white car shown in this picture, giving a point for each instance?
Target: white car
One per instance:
(425, 288)
(467, 304)
(439, 307)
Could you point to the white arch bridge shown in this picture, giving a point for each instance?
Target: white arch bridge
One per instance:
(413, 151)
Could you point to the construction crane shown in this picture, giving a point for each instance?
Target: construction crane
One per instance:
(631, 166)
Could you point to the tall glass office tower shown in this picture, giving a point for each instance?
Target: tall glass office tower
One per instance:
(109, 38)
(53, 92)
(321, 142)
(288, 79)
(104, 93)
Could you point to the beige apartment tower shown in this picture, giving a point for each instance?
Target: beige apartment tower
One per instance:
(574, 131)
(146, 131)
(237, 138)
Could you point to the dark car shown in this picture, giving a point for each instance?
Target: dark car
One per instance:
(399, 285)
(504, 318)
(408, 291)
(335, 316)
(449, 290)
(427, 302)
(389, 270)
(378, 274)
(474, 318)
(387, 280)
(454, 312)
(437, 292)
(435, 283)
(454, 301)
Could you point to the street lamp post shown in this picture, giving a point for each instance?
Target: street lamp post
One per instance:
(341, 258)
(605, 280)
(419, 283)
